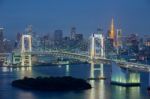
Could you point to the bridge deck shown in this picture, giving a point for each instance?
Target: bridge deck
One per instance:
(83, 57)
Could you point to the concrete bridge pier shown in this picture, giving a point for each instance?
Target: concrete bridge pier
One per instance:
(67, 70)
(124, 77)
(149, 80)
(148, 88)
(26, 60)
(16, 59)
(92, 71)
(102, 76)
(99, 69)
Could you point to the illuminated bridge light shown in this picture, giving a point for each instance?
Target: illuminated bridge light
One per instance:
(24, 57)
(123, 76)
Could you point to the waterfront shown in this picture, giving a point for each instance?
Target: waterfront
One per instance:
(101, 89)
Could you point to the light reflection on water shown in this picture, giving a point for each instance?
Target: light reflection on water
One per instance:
(100, 89)
(126, 93)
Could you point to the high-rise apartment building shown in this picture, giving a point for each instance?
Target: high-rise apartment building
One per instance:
(58, 36)
(119, 38)
(1, 40)
(72, 33)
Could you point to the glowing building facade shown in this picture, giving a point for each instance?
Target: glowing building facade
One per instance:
(112, 34)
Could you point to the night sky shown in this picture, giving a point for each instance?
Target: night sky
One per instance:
(133, 16)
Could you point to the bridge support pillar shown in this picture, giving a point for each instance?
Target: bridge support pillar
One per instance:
(26, 60)
(16, 59)
(92, 48)
(149, 80)
(124, 77)
(102, 71)
(93, 70)
(67, 68)
(26, 48)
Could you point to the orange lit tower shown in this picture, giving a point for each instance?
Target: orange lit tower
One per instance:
(112, 34)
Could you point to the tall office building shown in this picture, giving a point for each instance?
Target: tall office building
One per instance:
(18, 36)
(78, 37)
(58, 36)
(72, 33)
(133, 43)
(1, 40)
(99, 30)
(119, 38)
(18, 41)
(1, 34)
(28, 30)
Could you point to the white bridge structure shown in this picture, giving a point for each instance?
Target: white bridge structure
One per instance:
(123, 73)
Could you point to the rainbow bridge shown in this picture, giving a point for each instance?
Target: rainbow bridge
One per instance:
(123, 73)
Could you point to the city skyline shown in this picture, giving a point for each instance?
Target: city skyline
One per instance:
(86, 16)
(75, 49)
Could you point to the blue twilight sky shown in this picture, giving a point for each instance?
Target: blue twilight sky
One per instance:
(133, 16)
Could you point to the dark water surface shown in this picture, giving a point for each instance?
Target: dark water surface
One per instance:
(101, 89)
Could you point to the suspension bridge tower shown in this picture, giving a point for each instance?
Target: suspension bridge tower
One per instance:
(97, 50)
(97, 46)
(26, 49)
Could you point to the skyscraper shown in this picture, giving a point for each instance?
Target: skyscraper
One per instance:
(1, 40)
(1, 34)
(28, 30)
(99, 30)
(72, 33)
(58, 36)
(119, 38)
(78, 37)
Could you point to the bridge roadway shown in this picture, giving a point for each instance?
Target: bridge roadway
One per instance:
(85, 57)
